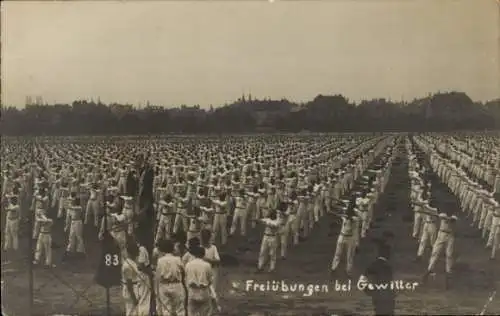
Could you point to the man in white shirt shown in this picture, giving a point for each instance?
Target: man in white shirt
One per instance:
(199, 283)
(170, 293)
(93, 205)
(12, 224)
(269, 243)
(211, 254)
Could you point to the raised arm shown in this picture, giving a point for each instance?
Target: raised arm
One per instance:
(203, 208)
(358, 212)
(420, 202)
(68, 220)
(272, 223)
(430, 210)
(102, 229)
(43, 218)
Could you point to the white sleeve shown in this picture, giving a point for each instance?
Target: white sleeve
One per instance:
(216, 254)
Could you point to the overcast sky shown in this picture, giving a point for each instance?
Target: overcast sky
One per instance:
(208, 52)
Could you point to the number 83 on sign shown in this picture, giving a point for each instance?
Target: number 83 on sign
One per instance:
(111, 260)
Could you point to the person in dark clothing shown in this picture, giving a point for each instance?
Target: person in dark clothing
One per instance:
(132, 185)
(380, 276)
(146, 225)
(145, 213)
(145, 235)
(109, 273)
(145, 210)
(146, 184)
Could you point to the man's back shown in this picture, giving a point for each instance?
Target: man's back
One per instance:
(380, 275)
(198, 273)
(379, 271)
(199, 279)
(169, 268)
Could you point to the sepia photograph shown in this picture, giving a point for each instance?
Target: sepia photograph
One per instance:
(250, 158)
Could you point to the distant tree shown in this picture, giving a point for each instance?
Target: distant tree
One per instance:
(325, 113)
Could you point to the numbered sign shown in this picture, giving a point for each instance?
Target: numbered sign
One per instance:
(109, 269)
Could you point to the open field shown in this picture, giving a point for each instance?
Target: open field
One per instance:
(475, 277)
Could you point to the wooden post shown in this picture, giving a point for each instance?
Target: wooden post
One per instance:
(108, 303)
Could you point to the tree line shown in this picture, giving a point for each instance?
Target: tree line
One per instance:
(332, 113)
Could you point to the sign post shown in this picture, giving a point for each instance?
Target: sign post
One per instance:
(109, 269)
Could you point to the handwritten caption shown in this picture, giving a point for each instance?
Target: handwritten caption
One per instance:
(310, 289)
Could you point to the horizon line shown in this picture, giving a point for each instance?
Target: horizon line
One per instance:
(146, 103)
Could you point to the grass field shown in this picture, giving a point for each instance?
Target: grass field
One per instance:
(475, 277)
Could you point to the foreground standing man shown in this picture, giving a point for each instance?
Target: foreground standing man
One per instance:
(380, 272)
(145, 208)
(135, 287)
(145, 215)
(199, 283)
(168, 280)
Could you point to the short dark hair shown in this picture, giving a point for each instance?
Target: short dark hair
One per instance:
(194, 242)
(282, 206)
(198, 251)
(166, 246)
(273, 214)
(206, 235)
